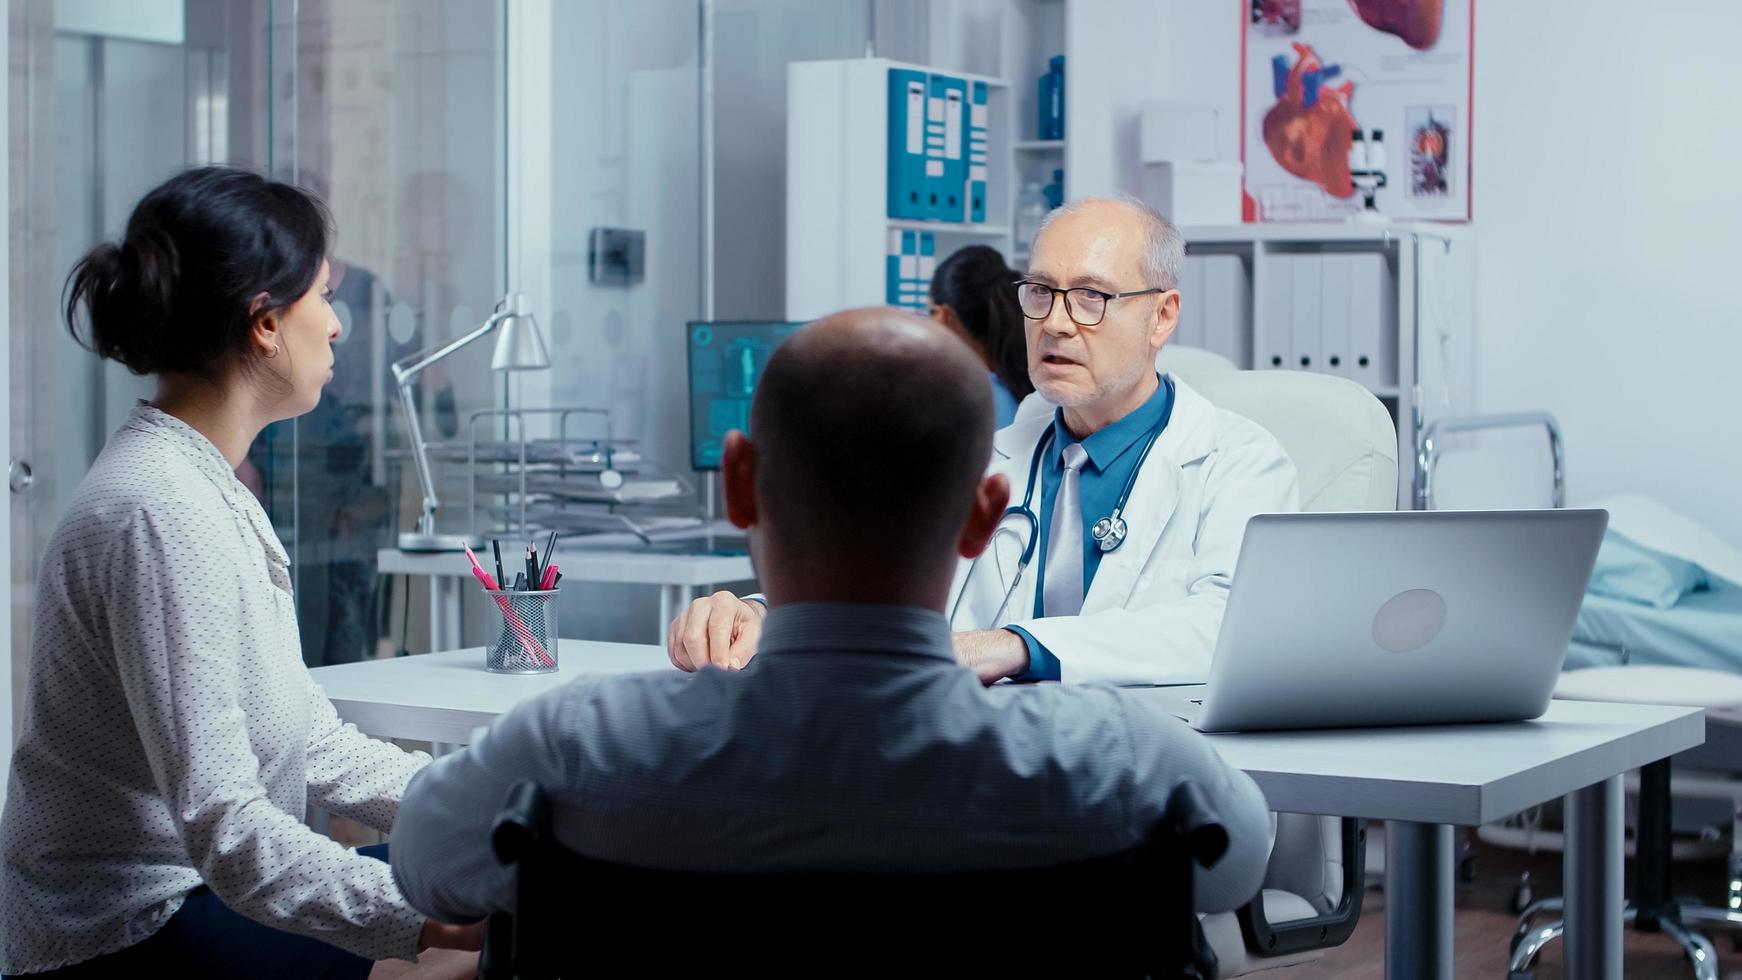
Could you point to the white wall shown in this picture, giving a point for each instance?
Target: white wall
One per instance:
(753, 42)
(1604, 203)
(1607, 283)
(1197, 54)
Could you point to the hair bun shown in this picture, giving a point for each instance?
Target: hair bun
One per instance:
(180, 292)
(150, 267)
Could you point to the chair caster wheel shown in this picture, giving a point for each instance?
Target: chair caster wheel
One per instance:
(1523, 894)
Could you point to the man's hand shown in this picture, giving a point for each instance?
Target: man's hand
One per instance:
(720, 630)
(992, 654)
(437, 936)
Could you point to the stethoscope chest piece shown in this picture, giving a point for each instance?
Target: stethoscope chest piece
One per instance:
(1109, 532)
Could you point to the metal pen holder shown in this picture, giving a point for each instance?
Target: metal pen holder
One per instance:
(525, 633)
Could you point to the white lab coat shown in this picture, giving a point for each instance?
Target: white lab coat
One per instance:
(1154, 609)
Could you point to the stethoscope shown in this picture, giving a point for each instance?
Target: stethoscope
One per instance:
(1109, 532)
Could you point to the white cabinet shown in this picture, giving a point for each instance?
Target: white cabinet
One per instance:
(839, 235)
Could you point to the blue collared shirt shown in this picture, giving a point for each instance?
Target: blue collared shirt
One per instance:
(1113, 454)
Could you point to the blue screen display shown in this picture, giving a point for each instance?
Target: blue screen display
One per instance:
(726, 358)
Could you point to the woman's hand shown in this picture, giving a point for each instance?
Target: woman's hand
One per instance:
(438, 936)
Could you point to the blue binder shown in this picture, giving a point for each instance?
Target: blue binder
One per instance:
(892, 285)
(928, 264)
(908, 269)
(947, 137)
(909, 189)
(978, 118)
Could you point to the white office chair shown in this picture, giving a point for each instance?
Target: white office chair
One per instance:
(1339, 437)
(1190, 362)
(1344, 447)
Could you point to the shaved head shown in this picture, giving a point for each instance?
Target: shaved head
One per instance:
(871, 429)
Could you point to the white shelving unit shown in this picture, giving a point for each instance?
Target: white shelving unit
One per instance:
(941, 228)
(1391, 306)
(837, 213)
(1033, 31)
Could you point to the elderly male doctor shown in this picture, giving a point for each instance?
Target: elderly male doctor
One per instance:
(1130, 499)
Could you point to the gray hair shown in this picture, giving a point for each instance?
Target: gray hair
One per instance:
(1164, 248)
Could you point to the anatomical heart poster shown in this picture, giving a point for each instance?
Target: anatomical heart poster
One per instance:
(1352, 106)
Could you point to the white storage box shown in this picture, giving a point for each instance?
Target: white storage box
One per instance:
(1194, 193)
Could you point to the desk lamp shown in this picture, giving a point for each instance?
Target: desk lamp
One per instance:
(519, 347)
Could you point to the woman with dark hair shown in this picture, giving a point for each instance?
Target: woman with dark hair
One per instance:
(172, 738)
(974, 294)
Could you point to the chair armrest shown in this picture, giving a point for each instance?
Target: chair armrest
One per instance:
(1193, 822)
(1320, 931)
(496, 962)
(521, 823)
(1190, 833)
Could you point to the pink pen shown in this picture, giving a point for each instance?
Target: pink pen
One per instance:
(478, 570)
(549, 580)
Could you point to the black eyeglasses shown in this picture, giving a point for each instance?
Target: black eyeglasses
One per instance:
(1083, 305)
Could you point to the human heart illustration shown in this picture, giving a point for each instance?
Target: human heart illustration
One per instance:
(1416, 21)
(1310, 129)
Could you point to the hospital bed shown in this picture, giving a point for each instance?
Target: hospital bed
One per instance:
(1696, 623)
(1661, 614)
(1703, 629)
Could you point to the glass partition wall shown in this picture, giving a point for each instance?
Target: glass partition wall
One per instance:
(397, 113)
(466, 148)
(394, 113)
(106, 102)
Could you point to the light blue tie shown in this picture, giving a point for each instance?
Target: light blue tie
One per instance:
(1064, 548)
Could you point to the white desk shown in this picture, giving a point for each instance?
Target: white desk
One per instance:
(1422, 780)
(678, 576)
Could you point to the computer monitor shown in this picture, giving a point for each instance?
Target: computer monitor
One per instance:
(726, 359)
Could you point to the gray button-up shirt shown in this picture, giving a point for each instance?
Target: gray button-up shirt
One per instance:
(852, 741)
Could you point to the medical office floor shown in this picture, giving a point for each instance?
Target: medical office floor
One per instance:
(1484, 922)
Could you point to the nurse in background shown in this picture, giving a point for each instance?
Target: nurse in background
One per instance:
(973, 294)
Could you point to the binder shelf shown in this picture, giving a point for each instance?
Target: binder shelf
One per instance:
(1391, 306)
(942, 228)
(890, 168)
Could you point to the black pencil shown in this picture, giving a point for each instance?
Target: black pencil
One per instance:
(496, 546)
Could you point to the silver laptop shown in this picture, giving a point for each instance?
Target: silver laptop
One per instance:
(1414, 617)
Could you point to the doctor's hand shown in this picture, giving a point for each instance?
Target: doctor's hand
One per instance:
(992, 654)
(720, 630)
